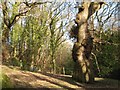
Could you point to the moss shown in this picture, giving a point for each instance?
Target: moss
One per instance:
(6, 83)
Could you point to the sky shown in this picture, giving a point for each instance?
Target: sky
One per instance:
(63, 0)
(72, 11)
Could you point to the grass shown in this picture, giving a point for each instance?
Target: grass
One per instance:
(6, 82)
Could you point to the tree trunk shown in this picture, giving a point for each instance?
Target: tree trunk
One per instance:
(83, 68)
(5, 46)
(83, 71)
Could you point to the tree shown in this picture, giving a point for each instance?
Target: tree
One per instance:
(105, 44)
(56, 34)
(11, 13)
(83, 68)
(35, 39)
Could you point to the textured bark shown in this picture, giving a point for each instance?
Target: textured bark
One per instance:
(83, 71)
(81, 54)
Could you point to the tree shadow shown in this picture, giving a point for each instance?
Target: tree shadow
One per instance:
(53, 82)
(65, 78)
(50, 81)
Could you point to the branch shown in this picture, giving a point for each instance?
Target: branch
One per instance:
(17, 16)
(35, 3)
(96, 61)
(95, 6)
(15, 19)
(100, 41)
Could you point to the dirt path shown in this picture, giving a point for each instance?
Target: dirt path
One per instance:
(45, 80)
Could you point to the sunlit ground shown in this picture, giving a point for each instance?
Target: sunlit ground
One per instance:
(46, 80)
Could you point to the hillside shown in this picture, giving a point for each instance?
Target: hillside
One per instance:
(26, 79)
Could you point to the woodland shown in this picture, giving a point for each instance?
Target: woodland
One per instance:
(54, 44)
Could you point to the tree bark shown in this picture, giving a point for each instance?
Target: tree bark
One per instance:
(83, 71)
(83, 68)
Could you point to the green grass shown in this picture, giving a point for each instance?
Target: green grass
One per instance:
(107, 82)
(6, 83)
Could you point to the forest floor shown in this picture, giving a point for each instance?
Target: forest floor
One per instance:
(26, 79)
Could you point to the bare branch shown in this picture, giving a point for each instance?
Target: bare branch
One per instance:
(35, 3)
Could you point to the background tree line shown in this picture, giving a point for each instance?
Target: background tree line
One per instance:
(35, 39)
